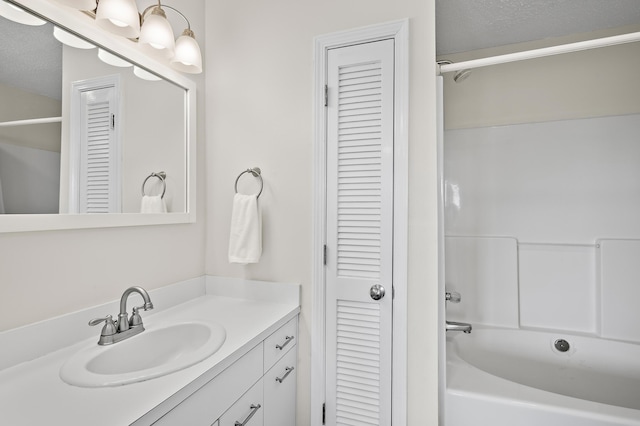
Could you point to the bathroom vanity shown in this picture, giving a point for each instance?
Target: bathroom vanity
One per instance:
(250, 380)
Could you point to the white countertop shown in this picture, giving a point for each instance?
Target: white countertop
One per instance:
(32, 392)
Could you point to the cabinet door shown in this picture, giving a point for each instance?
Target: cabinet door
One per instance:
(276, 345)
(247, 411)
(280, 391)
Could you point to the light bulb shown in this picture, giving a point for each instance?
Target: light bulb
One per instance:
(156, 35)
(119, 17)
(187, 56)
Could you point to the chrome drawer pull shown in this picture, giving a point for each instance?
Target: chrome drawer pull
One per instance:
(288, 371)
(288, 340)
(254, 410)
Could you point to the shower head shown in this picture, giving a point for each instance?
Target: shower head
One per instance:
(461, 75)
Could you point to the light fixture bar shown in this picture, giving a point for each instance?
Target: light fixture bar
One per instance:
(539, 53)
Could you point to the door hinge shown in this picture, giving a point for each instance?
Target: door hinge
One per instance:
(326, 95)
(113, 121)
(323, 412)
(324, 254)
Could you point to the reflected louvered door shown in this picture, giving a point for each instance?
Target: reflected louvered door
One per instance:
(98, 192)
(359, 233)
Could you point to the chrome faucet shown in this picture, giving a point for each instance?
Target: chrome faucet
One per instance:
(458, 326)
(455, 297)
(124, 327)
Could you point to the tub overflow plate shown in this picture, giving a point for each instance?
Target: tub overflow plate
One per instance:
(561, 345)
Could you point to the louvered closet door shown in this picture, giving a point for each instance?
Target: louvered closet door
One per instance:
(98, 152)
(359, 233)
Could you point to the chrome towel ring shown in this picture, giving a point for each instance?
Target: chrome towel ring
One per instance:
(256, 172)
(160, 175)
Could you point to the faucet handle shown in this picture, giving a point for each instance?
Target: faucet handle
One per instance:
(135, 318)
(452, 296)
(110, 328)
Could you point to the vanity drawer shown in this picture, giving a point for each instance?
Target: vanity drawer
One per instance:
(247, 411)
(205, 405)
(280, 342)
(280, 391)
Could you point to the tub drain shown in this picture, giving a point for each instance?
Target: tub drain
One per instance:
(561, 345)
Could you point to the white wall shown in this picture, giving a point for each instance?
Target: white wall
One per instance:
(29, 179)
(259, 113)
(44, 274)
(590, 83)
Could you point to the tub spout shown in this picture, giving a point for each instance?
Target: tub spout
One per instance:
(458, 326)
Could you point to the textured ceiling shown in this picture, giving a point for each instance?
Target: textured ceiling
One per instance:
(30, 58)
(466, 25)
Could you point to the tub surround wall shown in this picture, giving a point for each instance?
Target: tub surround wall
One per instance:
(619, 270)
(548, 214)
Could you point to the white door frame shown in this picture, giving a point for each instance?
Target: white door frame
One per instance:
(399, 31)
(75, 137)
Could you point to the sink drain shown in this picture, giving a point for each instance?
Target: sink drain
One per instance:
(561, 345)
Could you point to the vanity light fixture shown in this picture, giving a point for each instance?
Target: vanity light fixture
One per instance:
(150, 28)
(185, 55)
(156, 34)
(119, 17)
(18, 15)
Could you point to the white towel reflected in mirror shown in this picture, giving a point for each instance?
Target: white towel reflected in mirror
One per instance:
(153, 204)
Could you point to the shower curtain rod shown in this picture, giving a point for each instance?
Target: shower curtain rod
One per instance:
(539, 53)
(31, 121)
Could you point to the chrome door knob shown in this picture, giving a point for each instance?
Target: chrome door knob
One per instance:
(376, 292)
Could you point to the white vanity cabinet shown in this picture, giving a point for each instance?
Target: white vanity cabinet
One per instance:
(280, 391)
(258, 389)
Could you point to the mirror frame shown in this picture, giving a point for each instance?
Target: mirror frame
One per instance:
(81, 24)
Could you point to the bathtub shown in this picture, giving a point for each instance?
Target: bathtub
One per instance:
(506, 377)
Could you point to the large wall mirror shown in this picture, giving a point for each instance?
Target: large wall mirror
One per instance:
(93, 133)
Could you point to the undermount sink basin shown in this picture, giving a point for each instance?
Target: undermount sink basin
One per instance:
(155, 352)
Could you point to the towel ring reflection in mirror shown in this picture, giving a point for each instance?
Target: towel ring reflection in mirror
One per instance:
(256, 172)
(160, 175)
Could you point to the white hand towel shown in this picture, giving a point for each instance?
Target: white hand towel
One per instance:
(245, 239)
(152, 204)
